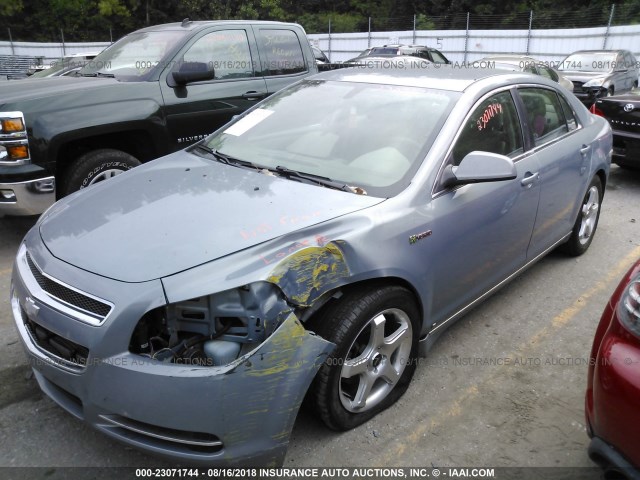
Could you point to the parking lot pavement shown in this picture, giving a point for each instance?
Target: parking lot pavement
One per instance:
(503, 387)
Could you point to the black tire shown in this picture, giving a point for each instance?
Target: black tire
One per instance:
(587, 222)
(96, 166)
(349, 324)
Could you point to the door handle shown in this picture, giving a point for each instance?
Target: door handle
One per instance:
(254, 95)
(585, 149)
(529, 179)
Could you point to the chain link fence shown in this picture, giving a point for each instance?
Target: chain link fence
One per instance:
(588, 16)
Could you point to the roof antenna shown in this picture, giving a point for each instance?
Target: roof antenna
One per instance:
(185, 22)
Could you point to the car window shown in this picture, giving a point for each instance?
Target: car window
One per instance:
(383, 51)
(629, 60)
(569, 114)
(529, 68)
(437, 57)
(282, 52)
(227, 51)
(492, 127)
(547, 73)
(544, 114)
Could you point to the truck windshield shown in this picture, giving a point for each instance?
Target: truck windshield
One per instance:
(135, 56)
(371, 136)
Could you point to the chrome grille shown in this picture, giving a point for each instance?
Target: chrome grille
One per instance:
(67, 295)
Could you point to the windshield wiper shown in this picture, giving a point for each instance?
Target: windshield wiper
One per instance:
(318, 180)
(224, 158)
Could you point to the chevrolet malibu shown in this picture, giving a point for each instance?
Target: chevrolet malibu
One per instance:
(314, 247)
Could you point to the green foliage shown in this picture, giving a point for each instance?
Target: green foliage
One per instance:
(10, 7)
(340, 22)
(100, 20)
(108, 8)
(423, 22)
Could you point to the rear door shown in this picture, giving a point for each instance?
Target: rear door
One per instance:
(197, 109)
(283, 60)
(563, 151)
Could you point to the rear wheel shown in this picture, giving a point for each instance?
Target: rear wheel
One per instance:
(585, 227)
(375, 332)
(96, 166)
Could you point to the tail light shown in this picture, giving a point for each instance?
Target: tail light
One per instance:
(629, 307)
(596, 111)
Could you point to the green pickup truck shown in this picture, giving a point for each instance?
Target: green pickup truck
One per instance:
(155, 91)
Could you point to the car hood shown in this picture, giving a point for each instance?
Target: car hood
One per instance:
(577, 76)
(181, 211)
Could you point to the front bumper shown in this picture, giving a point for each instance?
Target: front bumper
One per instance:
(31, 197)
(239, 414)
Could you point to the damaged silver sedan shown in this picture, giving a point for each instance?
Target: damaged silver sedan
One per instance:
(315, 246)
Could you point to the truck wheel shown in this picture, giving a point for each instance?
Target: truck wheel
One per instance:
(97, 166)
(376, 335)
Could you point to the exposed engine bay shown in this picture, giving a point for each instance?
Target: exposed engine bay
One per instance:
(213, 330)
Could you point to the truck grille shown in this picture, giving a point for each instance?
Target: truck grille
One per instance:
(67, 295)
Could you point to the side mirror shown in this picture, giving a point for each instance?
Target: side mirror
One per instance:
(479, 167)
(193, 72)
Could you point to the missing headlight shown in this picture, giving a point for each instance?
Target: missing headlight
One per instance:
(213, 330)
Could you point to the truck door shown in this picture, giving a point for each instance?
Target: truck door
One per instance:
(282, 58)
(196, 109)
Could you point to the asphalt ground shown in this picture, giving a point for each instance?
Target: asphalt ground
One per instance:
(503, 387)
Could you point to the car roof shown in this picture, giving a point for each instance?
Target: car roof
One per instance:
(441, 77)
(599, 51)
(511, 58)
(199, 25)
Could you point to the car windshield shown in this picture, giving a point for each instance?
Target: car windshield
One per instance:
(589, 62)
(60, 65)
(384, 51)
(367, 136)
(55, 67)
(135, 56)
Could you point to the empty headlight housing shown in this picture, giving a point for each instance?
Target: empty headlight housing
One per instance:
(211, 330)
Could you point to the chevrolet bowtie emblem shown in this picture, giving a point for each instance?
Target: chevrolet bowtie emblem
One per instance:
(31, 308)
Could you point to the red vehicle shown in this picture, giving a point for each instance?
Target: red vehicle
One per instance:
(612, 403)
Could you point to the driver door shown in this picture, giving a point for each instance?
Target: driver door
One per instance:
(481, 231)
(197, 109)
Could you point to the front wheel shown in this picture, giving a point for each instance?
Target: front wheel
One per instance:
(375, 332)
(97, 166)
(585, 227)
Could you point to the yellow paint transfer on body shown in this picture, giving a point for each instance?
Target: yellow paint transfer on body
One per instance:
(308, 273)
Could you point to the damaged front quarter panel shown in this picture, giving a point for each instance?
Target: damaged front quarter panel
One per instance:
(307, 274)
(250, 404)
(269, 386)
